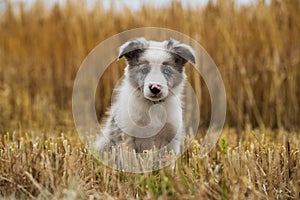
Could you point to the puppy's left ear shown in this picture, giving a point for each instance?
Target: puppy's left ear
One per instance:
(182, 52)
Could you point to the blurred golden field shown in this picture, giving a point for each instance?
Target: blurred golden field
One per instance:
(256, 49)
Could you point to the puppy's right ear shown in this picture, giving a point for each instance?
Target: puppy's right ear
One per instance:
(132, 49)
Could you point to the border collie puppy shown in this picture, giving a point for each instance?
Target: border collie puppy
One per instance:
(147, 111)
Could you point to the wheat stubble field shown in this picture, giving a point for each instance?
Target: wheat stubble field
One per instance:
(256, 48)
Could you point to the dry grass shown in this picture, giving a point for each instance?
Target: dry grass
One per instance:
(261, 166)
(257, 50)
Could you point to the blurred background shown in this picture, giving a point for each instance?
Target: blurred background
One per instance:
(256, 46)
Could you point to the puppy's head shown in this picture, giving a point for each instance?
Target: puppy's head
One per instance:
(156, 68)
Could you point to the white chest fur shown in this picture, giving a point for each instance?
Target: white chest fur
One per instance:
(147, 123)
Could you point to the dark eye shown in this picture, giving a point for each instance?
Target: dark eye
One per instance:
(144, 70)
(167, 71)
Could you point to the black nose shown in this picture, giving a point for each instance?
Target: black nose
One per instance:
(155, 88)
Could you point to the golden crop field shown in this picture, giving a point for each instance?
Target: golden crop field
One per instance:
(257, 51)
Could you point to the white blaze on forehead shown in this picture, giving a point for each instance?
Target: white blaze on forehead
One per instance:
(156, 52)
(155, 76)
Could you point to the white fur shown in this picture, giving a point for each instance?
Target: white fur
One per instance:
(131, 109)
